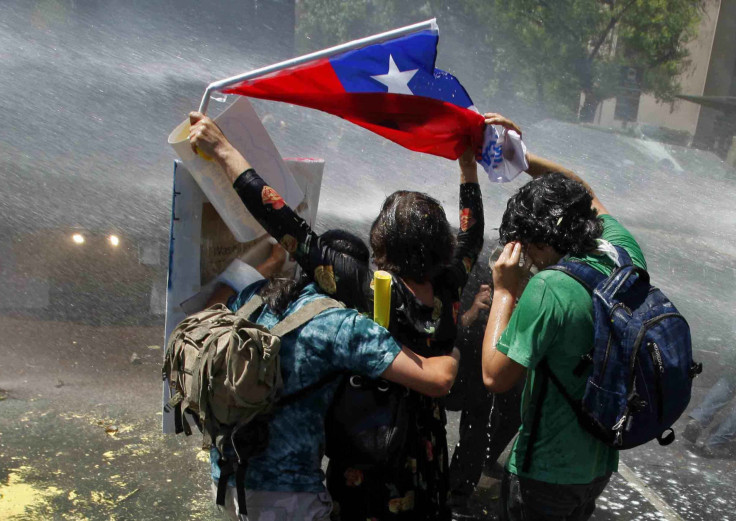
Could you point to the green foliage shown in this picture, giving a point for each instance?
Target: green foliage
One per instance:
(654, 35)
(539, 51)
(560, 48)
(323, 23)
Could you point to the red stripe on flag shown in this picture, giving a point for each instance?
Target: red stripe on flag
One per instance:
(316, 78)
(415, 122)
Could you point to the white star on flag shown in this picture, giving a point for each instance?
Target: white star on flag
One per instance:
(397, 81)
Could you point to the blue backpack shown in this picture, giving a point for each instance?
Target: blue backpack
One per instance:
(642, 359)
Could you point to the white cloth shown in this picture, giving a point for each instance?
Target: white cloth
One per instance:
(503, 156)
(603, 247)
(239, 275)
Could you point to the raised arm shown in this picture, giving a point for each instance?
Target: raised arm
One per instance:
(339, 275)
(470, 234)
(268, 268)
(538, 166)
(500, 373)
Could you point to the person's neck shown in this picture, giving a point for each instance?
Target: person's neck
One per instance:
(423, 291)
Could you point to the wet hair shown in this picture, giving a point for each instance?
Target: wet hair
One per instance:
(411, 237)
(554, 210)
(279, 292)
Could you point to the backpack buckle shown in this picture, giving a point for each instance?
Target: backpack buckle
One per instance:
(695, 369)
(174, 401)
(583, 364)
(620, 424)
(638, 403)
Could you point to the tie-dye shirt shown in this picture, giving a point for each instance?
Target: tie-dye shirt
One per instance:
(336, 341)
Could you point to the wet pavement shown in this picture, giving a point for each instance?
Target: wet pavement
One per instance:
(673, 483)
(80, 435)
(91, 89)
(80, 439)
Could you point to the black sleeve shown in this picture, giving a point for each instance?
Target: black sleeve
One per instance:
(470, 234)
(341, 276)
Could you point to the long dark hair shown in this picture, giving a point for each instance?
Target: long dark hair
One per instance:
(279, 292)
(411, 237)
(554, 210)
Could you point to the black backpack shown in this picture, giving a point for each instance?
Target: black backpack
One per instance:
(368, 422)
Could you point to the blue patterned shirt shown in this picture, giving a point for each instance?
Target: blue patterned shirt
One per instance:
(337, 340)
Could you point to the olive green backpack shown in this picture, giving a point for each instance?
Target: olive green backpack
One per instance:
(224, 370)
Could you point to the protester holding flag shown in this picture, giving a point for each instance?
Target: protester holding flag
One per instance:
(411, 239)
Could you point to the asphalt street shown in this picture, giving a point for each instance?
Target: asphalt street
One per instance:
(80, 439)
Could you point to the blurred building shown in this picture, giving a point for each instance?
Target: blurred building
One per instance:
(705, 114)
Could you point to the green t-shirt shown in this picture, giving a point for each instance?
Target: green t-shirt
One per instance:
(554, 320)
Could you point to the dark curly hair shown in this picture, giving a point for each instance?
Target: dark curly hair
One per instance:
(554, 210)
(411, 237)
(279, 292)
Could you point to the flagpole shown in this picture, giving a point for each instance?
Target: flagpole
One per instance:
(349, 46)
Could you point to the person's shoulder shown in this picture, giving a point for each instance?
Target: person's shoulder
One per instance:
(549, 280)
(240, 299)
(553, 287)
(613, 230)
(611, 223)
(617, 234)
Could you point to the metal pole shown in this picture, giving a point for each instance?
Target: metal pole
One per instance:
(349, 46)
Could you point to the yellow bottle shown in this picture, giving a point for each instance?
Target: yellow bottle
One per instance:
(382, 297)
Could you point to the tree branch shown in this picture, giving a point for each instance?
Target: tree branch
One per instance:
(611, 24)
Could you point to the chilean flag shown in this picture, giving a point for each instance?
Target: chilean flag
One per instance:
(391, 88)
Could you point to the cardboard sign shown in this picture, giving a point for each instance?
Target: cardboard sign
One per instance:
(246, 133)
(201, 245)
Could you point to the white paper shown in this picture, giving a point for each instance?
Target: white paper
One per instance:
(243, 128)
(186, 291)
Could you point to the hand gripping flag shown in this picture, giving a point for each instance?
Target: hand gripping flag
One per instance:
(391, 88)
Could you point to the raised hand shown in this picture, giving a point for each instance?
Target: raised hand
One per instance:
(493, 118)
(206, 137)
(508, 275)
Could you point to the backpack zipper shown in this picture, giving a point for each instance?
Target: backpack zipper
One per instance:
(658, 365)
(610, 334)
(637, 344)
(619, 427)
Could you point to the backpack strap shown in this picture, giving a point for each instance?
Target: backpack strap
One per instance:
(303, 315)
(250, 307)
(547, 375)
(544, 366)
(534, 431)
(624, 259)
(591, 278)
(576, 405)
(586, 275)
(228, 469)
